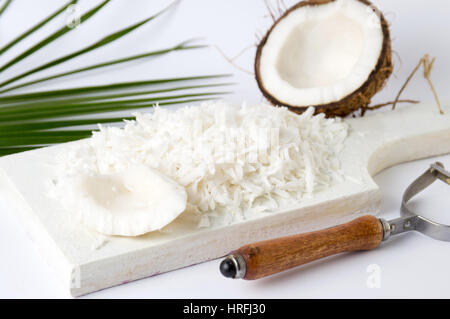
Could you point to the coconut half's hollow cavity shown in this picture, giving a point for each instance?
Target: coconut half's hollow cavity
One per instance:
(330, 54)
(132, 202)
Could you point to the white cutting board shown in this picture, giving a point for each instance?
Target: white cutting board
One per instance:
(87, 261)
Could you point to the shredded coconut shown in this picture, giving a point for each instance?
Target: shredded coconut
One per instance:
(229, 158)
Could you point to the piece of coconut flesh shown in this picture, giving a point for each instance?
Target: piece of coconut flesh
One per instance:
(132, 202)
(319, 54)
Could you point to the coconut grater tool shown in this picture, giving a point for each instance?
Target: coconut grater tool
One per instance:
(269, 257)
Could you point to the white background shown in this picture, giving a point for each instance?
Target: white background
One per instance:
(411, 265)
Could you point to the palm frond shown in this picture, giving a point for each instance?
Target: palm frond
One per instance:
(179, 47)
(36, 27)
(36, 104)
(38, 138)
(103, 88)
(38, 119)
(33, 138)
(89, 108)
(5, 5)
(45, 133)
(102, 42)
(17, 149)
(59, 33)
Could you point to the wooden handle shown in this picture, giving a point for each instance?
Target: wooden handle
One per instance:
(273, 256)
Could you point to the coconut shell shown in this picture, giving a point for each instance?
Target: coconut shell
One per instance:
(359, 99)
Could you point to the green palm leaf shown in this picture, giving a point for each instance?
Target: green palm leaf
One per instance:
(16, 149)
(104, 41)
(51, 38)
(36, 27)
(31, 134)
(28, 120)
(81, 109)
(32, 138)
(5, 5)
(39, 138)
(102, 88)
(179, 47)
(37, 104)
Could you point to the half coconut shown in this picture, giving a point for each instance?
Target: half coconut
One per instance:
(330, 54)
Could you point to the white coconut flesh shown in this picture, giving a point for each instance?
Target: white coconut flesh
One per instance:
(320, 54)
(132, 202)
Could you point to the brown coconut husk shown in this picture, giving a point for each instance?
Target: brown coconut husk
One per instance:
(359, 99)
